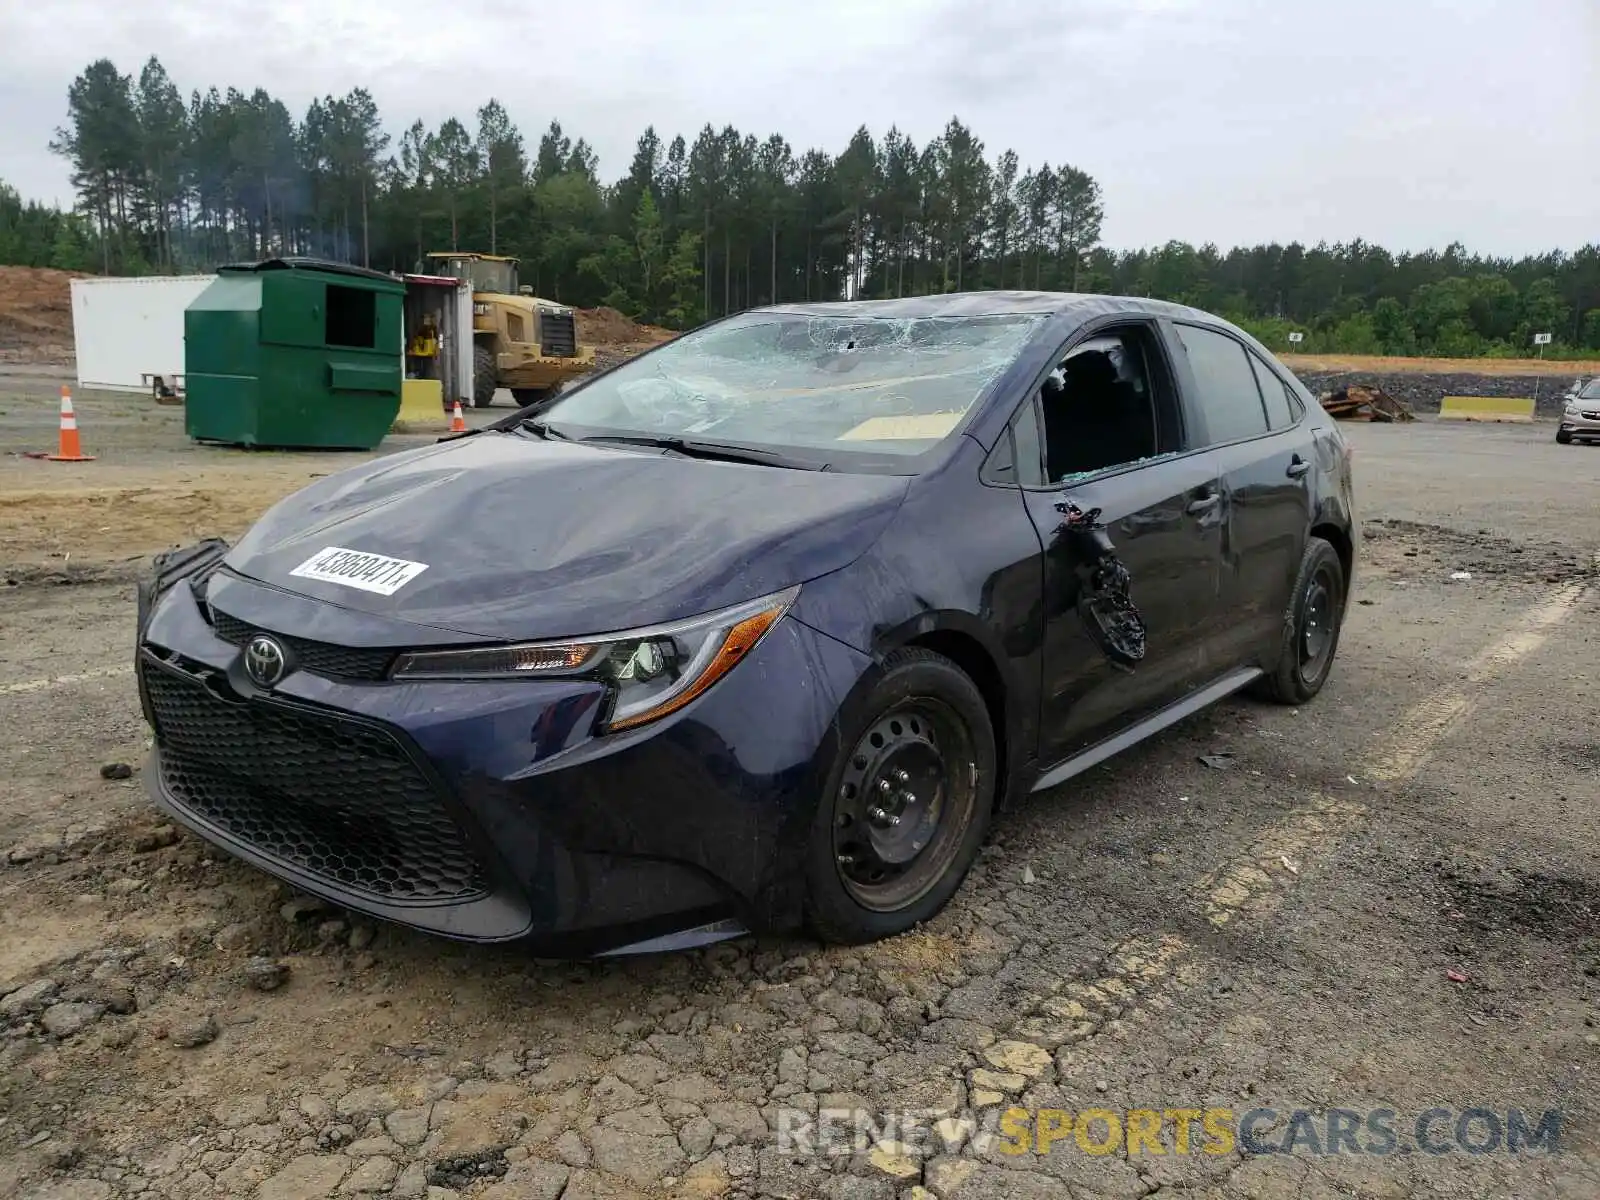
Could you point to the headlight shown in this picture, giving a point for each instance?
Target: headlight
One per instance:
(649, 672)
(1572, 409)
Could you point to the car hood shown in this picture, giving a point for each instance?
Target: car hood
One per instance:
(526, 539)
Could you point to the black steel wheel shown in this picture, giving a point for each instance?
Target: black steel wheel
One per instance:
(907, 803)
(1318, 614)
(1311, 626)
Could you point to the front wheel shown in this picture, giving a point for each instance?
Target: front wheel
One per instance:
(1310, 626)
(906, 805)
(484, 379)
(527, 397)
(1564, 436)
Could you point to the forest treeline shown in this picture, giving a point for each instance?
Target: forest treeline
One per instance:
(695, 228)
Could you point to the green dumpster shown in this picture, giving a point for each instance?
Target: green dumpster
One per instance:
(294, 353)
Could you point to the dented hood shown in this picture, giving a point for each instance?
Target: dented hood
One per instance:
(525, 539)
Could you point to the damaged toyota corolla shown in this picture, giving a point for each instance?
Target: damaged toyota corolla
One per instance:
(757, 630)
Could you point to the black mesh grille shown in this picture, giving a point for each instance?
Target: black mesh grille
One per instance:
(336, 798)
(320, 658)
(558, 335)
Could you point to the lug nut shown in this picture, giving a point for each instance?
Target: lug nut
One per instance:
(902, 777)
(883, 786)
(877, 814)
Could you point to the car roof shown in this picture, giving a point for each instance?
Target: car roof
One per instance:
(997, 303)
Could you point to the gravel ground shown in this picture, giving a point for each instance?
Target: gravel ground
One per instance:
(1389, 899)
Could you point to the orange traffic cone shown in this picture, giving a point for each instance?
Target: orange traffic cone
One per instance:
(70, 449)
(458, 423)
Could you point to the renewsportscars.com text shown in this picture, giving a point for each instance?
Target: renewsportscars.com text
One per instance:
(1211, 1130)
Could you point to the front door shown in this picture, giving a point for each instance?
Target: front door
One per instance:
(1108, 664)
(1131, 522)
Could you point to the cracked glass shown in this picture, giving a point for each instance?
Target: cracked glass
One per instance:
(835, 384)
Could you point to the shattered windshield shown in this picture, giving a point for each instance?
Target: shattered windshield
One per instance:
(829, 384)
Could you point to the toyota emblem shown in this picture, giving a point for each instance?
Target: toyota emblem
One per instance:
(265, 661)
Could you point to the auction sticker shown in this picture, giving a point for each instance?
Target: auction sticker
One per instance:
(359, 569)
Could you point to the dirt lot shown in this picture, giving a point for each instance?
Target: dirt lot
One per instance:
(1387, 900)
(35, 315)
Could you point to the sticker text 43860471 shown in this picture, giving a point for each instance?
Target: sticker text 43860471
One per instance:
(360, 569)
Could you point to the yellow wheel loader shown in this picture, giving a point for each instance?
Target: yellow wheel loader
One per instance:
(519, 341)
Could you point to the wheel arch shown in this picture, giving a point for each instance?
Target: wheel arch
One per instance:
(968, 643)
(1338, 536)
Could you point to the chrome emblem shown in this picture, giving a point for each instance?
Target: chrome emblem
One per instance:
(264, 661)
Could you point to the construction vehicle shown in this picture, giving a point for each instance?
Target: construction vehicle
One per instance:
(519, 341)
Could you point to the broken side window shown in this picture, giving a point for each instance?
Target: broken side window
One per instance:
(1108, 404)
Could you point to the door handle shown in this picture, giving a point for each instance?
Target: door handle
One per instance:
(1204, 504)
(1297, 467)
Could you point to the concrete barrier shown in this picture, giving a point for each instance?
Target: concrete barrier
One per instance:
(421, 407)
(1486, 408)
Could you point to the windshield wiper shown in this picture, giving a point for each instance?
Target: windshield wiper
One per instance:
(712, 450)
(544, 429)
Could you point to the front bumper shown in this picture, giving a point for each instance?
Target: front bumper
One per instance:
(487, 810)
(1585, 423)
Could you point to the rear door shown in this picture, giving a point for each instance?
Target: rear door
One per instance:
(1160, 515)
(1255, 426)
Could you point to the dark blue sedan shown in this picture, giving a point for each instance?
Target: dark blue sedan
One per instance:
(756, 630)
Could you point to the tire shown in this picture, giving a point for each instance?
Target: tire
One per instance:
(1311, 627)
(527, 397)
(484, 379)
(1564, 437)
(931, 726)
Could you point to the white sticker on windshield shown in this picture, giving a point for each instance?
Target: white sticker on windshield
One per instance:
(359, 569)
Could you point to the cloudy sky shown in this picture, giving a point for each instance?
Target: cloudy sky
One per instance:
(1410, 123)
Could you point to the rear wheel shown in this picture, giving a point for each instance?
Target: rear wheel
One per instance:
(1310, 626)
(483, 376)
(906, 805)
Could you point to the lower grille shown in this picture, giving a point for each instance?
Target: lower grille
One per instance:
(320, 658)
(558, 335)
(336, 798)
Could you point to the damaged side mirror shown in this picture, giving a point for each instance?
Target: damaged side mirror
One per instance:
(1104, 602)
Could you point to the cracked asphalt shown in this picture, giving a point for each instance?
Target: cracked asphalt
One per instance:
(1387, 901)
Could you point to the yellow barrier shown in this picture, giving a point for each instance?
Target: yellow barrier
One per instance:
(421, 407)
(1486, 408)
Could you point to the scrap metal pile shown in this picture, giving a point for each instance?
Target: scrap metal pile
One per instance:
(1358, 402)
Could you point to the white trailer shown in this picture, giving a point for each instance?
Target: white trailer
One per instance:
(128, 330)
(448, 302)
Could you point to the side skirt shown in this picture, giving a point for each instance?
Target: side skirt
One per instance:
(1154, 723)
